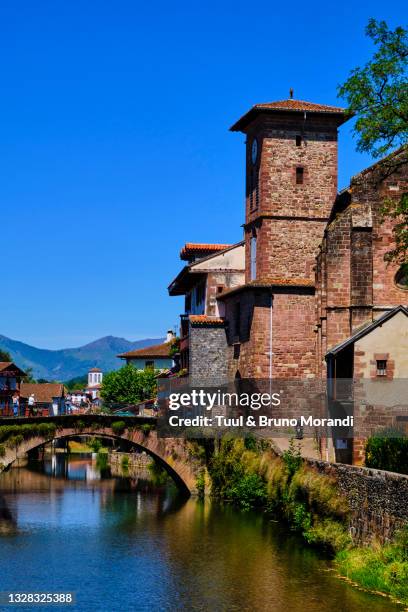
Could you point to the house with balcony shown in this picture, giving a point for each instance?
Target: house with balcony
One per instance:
(10, 380)
(210, 269)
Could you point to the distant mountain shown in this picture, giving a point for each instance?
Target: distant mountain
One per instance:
(64, 364)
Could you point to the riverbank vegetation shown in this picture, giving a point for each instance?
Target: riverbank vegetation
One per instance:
(388, 450)
(378, 568)
(75, 447)
(249, 474)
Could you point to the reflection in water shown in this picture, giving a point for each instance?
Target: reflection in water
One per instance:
(7, 522)
(124, 545)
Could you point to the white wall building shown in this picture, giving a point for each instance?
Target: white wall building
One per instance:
(95, 377)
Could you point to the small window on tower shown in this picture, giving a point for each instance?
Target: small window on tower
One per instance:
(298, 140)
(381, 367)
(299, 175)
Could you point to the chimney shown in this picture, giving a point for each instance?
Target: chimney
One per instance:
(170, 336)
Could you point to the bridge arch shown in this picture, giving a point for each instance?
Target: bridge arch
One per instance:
(171, 453)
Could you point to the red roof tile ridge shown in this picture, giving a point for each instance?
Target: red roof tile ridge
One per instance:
(5, 364)
(205, 245)
(159, 350)
(300, 105)
(205, 319)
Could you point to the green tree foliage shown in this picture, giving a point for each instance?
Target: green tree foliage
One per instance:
(5, 355)
(77, 383)
(397, 209)
(174, 347)
(128, 385)
(29, 378)
(388, 451)
(95, 444)
(377, 93)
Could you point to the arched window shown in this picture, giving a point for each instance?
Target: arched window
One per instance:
(401, 277)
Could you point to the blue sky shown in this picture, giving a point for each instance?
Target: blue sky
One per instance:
(115, 149)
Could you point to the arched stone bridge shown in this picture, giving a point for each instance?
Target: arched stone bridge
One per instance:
(174, 454)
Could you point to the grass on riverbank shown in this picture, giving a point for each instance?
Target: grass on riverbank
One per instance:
(248, 474)
(79, 447)
(378, 568)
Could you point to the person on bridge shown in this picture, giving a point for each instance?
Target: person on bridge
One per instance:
(16, 405)
(31, 405)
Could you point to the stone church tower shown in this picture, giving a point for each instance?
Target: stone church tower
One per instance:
(291, 185)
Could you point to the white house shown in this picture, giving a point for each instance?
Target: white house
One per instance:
(95, 377)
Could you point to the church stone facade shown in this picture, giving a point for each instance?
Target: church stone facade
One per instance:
(314, 269)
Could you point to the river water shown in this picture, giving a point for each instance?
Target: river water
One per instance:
(122, 545)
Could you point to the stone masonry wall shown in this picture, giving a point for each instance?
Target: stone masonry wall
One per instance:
(289, 218)
(293, 335)
(378, 500)
(248, 340)
(355, 284)
(208, 354)
(287, 248)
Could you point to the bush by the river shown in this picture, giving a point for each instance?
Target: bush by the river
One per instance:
(250, 475)
(118, 427)
(388, 450)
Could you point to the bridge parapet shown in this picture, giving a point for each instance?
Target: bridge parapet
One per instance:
(174, 454)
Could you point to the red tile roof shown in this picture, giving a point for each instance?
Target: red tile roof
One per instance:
(289, 105)
(10, 366)
(156, 350)
(300, 105)
(192, 248)
(95, 370)
(43, 392)
(205, 320)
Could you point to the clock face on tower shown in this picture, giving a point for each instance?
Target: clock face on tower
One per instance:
(254, 151)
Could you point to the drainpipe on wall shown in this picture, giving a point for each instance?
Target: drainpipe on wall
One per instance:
(270, 338)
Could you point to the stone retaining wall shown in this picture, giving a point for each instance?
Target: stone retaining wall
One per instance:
(378, 499)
